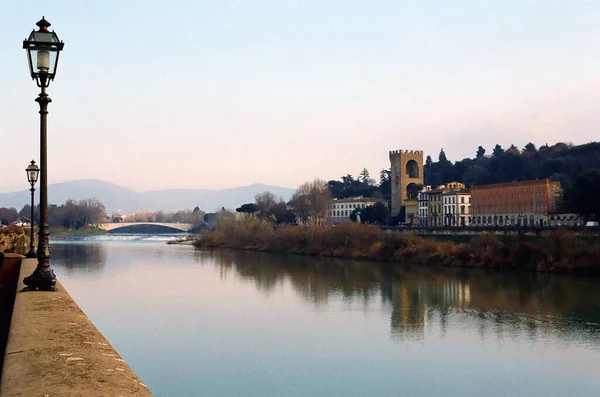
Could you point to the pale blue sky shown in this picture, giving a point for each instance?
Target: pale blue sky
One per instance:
(217, 94)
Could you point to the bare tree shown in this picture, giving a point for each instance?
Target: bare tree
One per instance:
(265, 202)
(92, 211)
(311, 201)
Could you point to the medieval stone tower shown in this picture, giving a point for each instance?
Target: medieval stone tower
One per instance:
(407, 173)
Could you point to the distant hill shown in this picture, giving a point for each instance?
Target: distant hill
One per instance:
(115, 197)
(560, 162)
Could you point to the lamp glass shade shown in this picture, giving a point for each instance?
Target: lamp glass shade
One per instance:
(43, 48)
(33, 172)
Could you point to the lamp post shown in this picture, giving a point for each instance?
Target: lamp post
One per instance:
(43, 48)
(32, 176)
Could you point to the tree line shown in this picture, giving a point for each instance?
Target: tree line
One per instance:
(309, 204)
(90, 212)
(70, 215)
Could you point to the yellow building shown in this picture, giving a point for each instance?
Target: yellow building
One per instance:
(436, 213)
(411, 207)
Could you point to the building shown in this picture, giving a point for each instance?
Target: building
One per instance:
(340, 209)
(456, 205)
(565, 219)
(406, 177)
(423, 200)
(411, 211)
(435, 211)
(525, 203)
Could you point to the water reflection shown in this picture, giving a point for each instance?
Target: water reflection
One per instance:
(506, 304)
(80, 258)
(228, 323)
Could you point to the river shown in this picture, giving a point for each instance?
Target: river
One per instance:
(231, 323)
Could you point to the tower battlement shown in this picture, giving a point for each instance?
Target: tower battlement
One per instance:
(405, 151)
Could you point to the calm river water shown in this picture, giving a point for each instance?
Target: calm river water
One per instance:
(225, 323)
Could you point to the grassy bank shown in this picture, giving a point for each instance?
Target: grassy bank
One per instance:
(559, 252)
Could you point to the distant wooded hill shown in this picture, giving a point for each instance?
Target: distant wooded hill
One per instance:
(115, 197)
(560, 162)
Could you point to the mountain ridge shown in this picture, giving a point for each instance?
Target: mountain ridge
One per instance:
(117, 198)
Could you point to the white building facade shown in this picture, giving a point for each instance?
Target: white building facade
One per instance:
(456, 205)
(423, 199)
(341, 209)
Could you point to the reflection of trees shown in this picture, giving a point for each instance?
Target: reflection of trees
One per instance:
(80, 257)
(504, 303)
(314, 279)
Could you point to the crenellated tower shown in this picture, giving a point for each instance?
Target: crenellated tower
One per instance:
(407, 174)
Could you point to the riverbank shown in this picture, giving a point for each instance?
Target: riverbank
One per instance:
(54, 349)
(560, 251)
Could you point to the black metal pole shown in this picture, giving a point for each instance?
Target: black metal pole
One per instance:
(31, 253)
(43, 277)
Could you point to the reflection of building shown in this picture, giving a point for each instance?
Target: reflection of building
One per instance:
(408, 309)
(340, 209)
(407, 176)
(525, 203)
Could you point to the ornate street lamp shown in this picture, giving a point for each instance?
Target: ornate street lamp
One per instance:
(43, 48)
(32, 176)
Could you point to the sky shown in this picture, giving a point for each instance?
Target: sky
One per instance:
(216, 94)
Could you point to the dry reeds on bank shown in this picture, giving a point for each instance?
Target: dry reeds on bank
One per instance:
(560, 251)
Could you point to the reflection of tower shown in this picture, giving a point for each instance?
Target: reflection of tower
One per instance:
(408, 310)
(407, 173)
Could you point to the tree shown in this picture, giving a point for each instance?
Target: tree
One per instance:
(442, 157)
(476, 175)
(529, 148)
(584, 195)
(513, 150)
(480, 152)
(429, 161)
(249, 208)
(384, 176)
(91, 211)
(264, 202)
(282, 214)
(8, 215)
(498, 151)
(365, 178)
(25, 213)
(385, 184)
(348, 180)
(377, 213)
(310, 202)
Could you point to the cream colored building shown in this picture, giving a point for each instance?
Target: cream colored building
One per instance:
(456, 205)
(423, 199)
(340, 209)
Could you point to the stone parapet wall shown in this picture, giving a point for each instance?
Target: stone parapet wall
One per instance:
(53, 349)
(14, 239)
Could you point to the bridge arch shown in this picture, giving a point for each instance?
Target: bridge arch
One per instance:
(146, 227)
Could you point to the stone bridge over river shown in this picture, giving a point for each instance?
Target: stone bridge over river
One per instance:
(131, 226)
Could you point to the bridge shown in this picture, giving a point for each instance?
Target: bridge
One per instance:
(177, 227)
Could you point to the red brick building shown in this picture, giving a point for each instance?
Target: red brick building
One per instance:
(525, 203)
